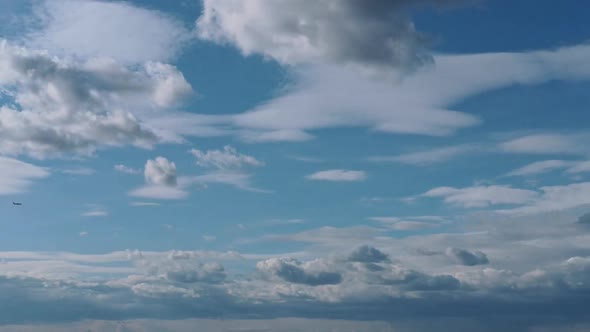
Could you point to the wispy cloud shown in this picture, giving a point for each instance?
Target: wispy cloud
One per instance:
(338, 175)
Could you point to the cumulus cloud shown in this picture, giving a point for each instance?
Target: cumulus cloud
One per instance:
(161, 181)
(367, 254)
(293, 271)
(18, 176)
(62, 106)
(482, 196)
(338, 175)
(227, 158)
(160, 171)
(466, 257)
(118, 30)
(375, 33)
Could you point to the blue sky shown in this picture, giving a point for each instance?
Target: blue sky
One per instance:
(303, 160)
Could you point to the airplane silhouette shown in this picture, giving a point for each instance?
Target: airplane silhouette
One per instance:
(14, 203)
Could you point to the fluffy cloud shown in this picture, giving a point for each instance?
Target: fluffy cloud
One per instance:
(338, 175)
(17, 176)
(293, 271)
(160, 172)
(292, 32)
(65, 106)
(161, 181)
(482, 196)
(117, 30)
(227, 158)
(366, 254)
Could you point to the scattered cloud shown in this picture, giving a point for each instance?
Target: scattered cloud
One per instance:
(83, 234)
(555, 198)
(415, 223)
(18, 176)
(228, 158)
(338, 175)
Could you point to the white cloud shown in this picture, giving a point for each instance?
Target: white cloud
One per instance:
(60, 105)
(539, 167)
(17, 176)
(78, 171)
(547, 144)
(83, 234)
(161, 181)
(428, 157)
(555, 198)
(333, 31)
(482, 196)
(227, 158)
(160, 172)
(580, 167)
(140, 204)
(239, 180)
(126, 169)
(119, 30)
(338, 175)
(95, 213)
(408, 223)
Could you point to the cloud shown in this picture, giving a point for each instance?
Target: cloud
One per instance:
(57, 105)
(126, 169)
(18, 176)
(228, 158)
(539, 167)
(547, 144)
(555, 198)
(580, 167)
(160, 172)
(140, 204)
(78, 171)
(428, 157)
(293, 271)
(338, 175)
(415, 223)
(83, 234)
(346, 32)
(118, 30)
(584, 219)
(482, 196)
(236, 179)
(466, 257)
(367, 254)
(161, 181)
(95, 213)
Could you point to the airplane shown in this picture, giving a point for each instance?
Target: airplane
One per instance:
(15, 203)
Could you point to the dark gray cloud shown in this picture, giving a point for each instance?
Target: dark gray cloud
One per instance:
(466, 257)
(367, 254)
(293, 271)
(584, 219)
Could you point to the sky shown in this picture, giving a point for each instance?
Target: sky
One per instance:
(294, 165)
